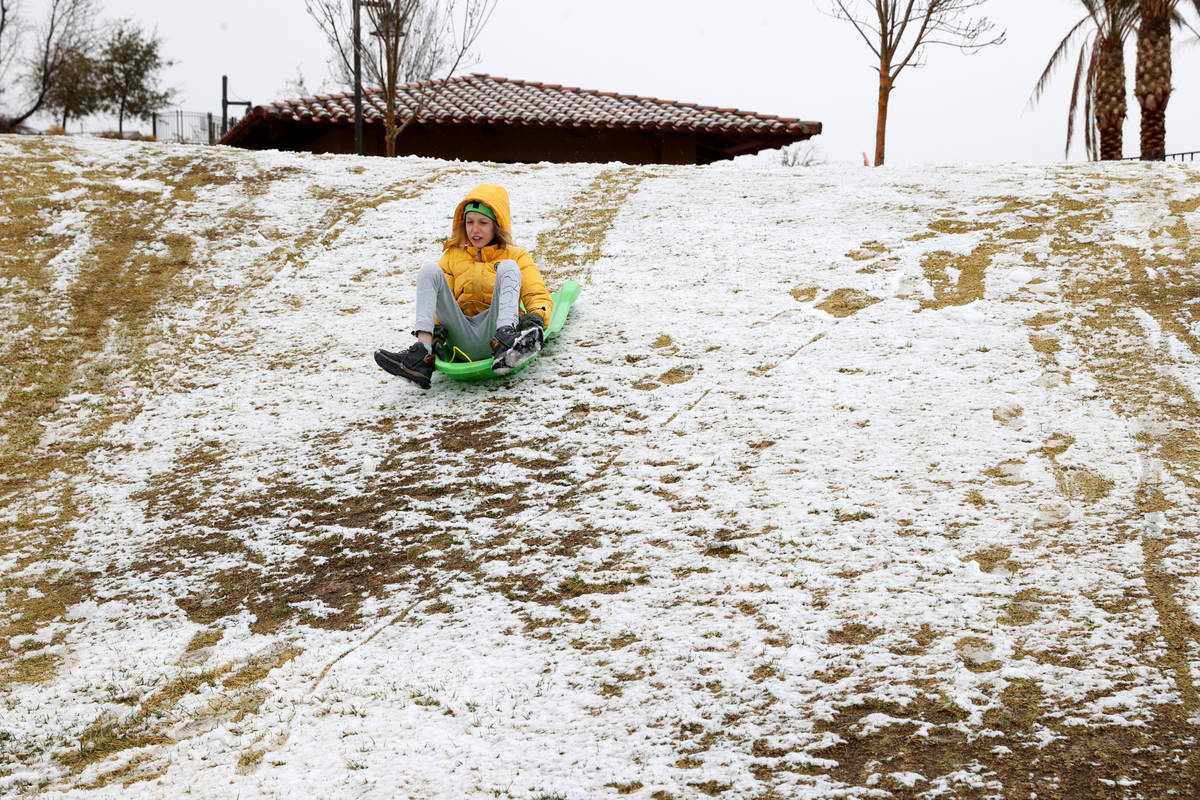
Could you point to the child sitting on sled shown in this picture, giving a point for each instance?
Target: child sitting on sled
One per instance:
(476, 291)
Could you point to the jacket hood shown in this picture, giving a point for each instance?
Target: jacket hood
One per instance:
(494, 197)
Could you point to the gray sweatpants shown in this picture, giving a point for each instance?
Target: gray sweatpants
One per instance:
(473, 335)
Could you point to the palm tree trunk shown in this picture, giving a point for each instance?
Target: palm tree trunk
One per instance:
(1110, 97)
(1153, 87)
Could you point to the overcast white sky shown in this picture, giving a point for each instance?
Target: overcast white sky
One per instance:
(770, 56)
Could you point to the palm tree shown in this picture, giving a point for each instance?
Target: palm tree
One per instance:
(1153, 82)
(1099, 74)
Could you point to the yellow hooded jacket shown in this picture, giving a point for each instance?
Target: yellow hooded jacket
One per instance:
(471, 271)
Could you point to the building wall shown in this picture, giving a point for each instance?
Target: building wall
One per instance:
(491, 143)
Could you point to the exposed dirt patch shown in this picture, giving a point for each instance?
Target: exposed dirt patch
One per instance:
(350, 547)
(572, 246)
(1185, 206)
(854, 633)
(990, 558)
(677, 375)
(1046, 345)
(1009, 415)
(1023, 609)
(1119, 351)
(867, 251)
(1008, 473)
(925, 742)
(957, 279)
(1044, 318)
(229, 695)
(87, 336)
(1080, 483)
(31, 669)
(954, 226)
(846, 302)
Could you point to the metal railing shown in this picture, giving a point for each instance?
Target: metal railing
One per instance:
(184, 127)
(1187, 156)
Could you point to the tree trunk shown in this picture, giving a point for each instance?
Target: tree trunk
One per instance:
(390, 126)
(1153, 86)
(885, 91)
(1110, 97)
(389, 134)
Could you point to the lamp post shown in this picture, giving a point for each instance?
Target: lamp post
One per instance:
(358, 126)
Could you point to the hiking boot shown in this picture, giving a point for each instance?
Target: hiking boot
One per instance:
(512, 348)
(415, 363)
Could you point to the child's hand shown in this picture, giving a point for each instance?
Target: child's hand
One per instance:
(530, 321)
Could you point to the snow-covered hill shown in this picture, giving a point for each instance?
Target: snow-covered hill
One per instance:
(838, 483)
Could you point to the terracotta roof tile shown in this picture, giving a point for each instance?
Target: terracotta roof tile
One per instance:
(486, 99)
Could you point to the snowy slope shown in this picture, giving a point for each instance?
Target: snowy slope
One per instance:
(838, 483)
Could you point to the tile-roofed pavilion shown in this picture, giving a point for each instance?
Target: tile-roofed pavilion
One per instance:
(486, 118)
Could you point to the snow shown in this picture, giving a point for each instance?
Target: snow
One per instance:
(727, 507)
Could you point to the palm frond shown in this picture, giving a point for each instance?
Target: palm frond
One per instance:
(1060, 51)
(1102, 20)
(1091, 137)
(1180, 20)
(1074, 104)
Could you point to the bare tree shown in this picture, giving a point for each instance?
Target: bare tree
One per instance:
(406, 42)
(898, 31)
(63, 34)
(295, 87)
(11, 29)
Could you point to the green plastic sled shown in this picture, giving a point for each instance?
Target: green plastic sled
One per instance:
(564, 298)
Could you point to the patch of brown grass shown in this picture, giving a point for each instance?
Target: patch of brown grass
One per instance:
(237, 697)
(929, 739)
(854, 633)
(1023, 609)
(138, 769)
(990, 558)
(576, 586)
(1127, 369)
(24, 613)
(867, 251)
(677, 375)
(846, 302)
(31, 669)
(967, 283)
(203, 639)
(392, 540)
(258, 668)
(625, 788)
(570, 248)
